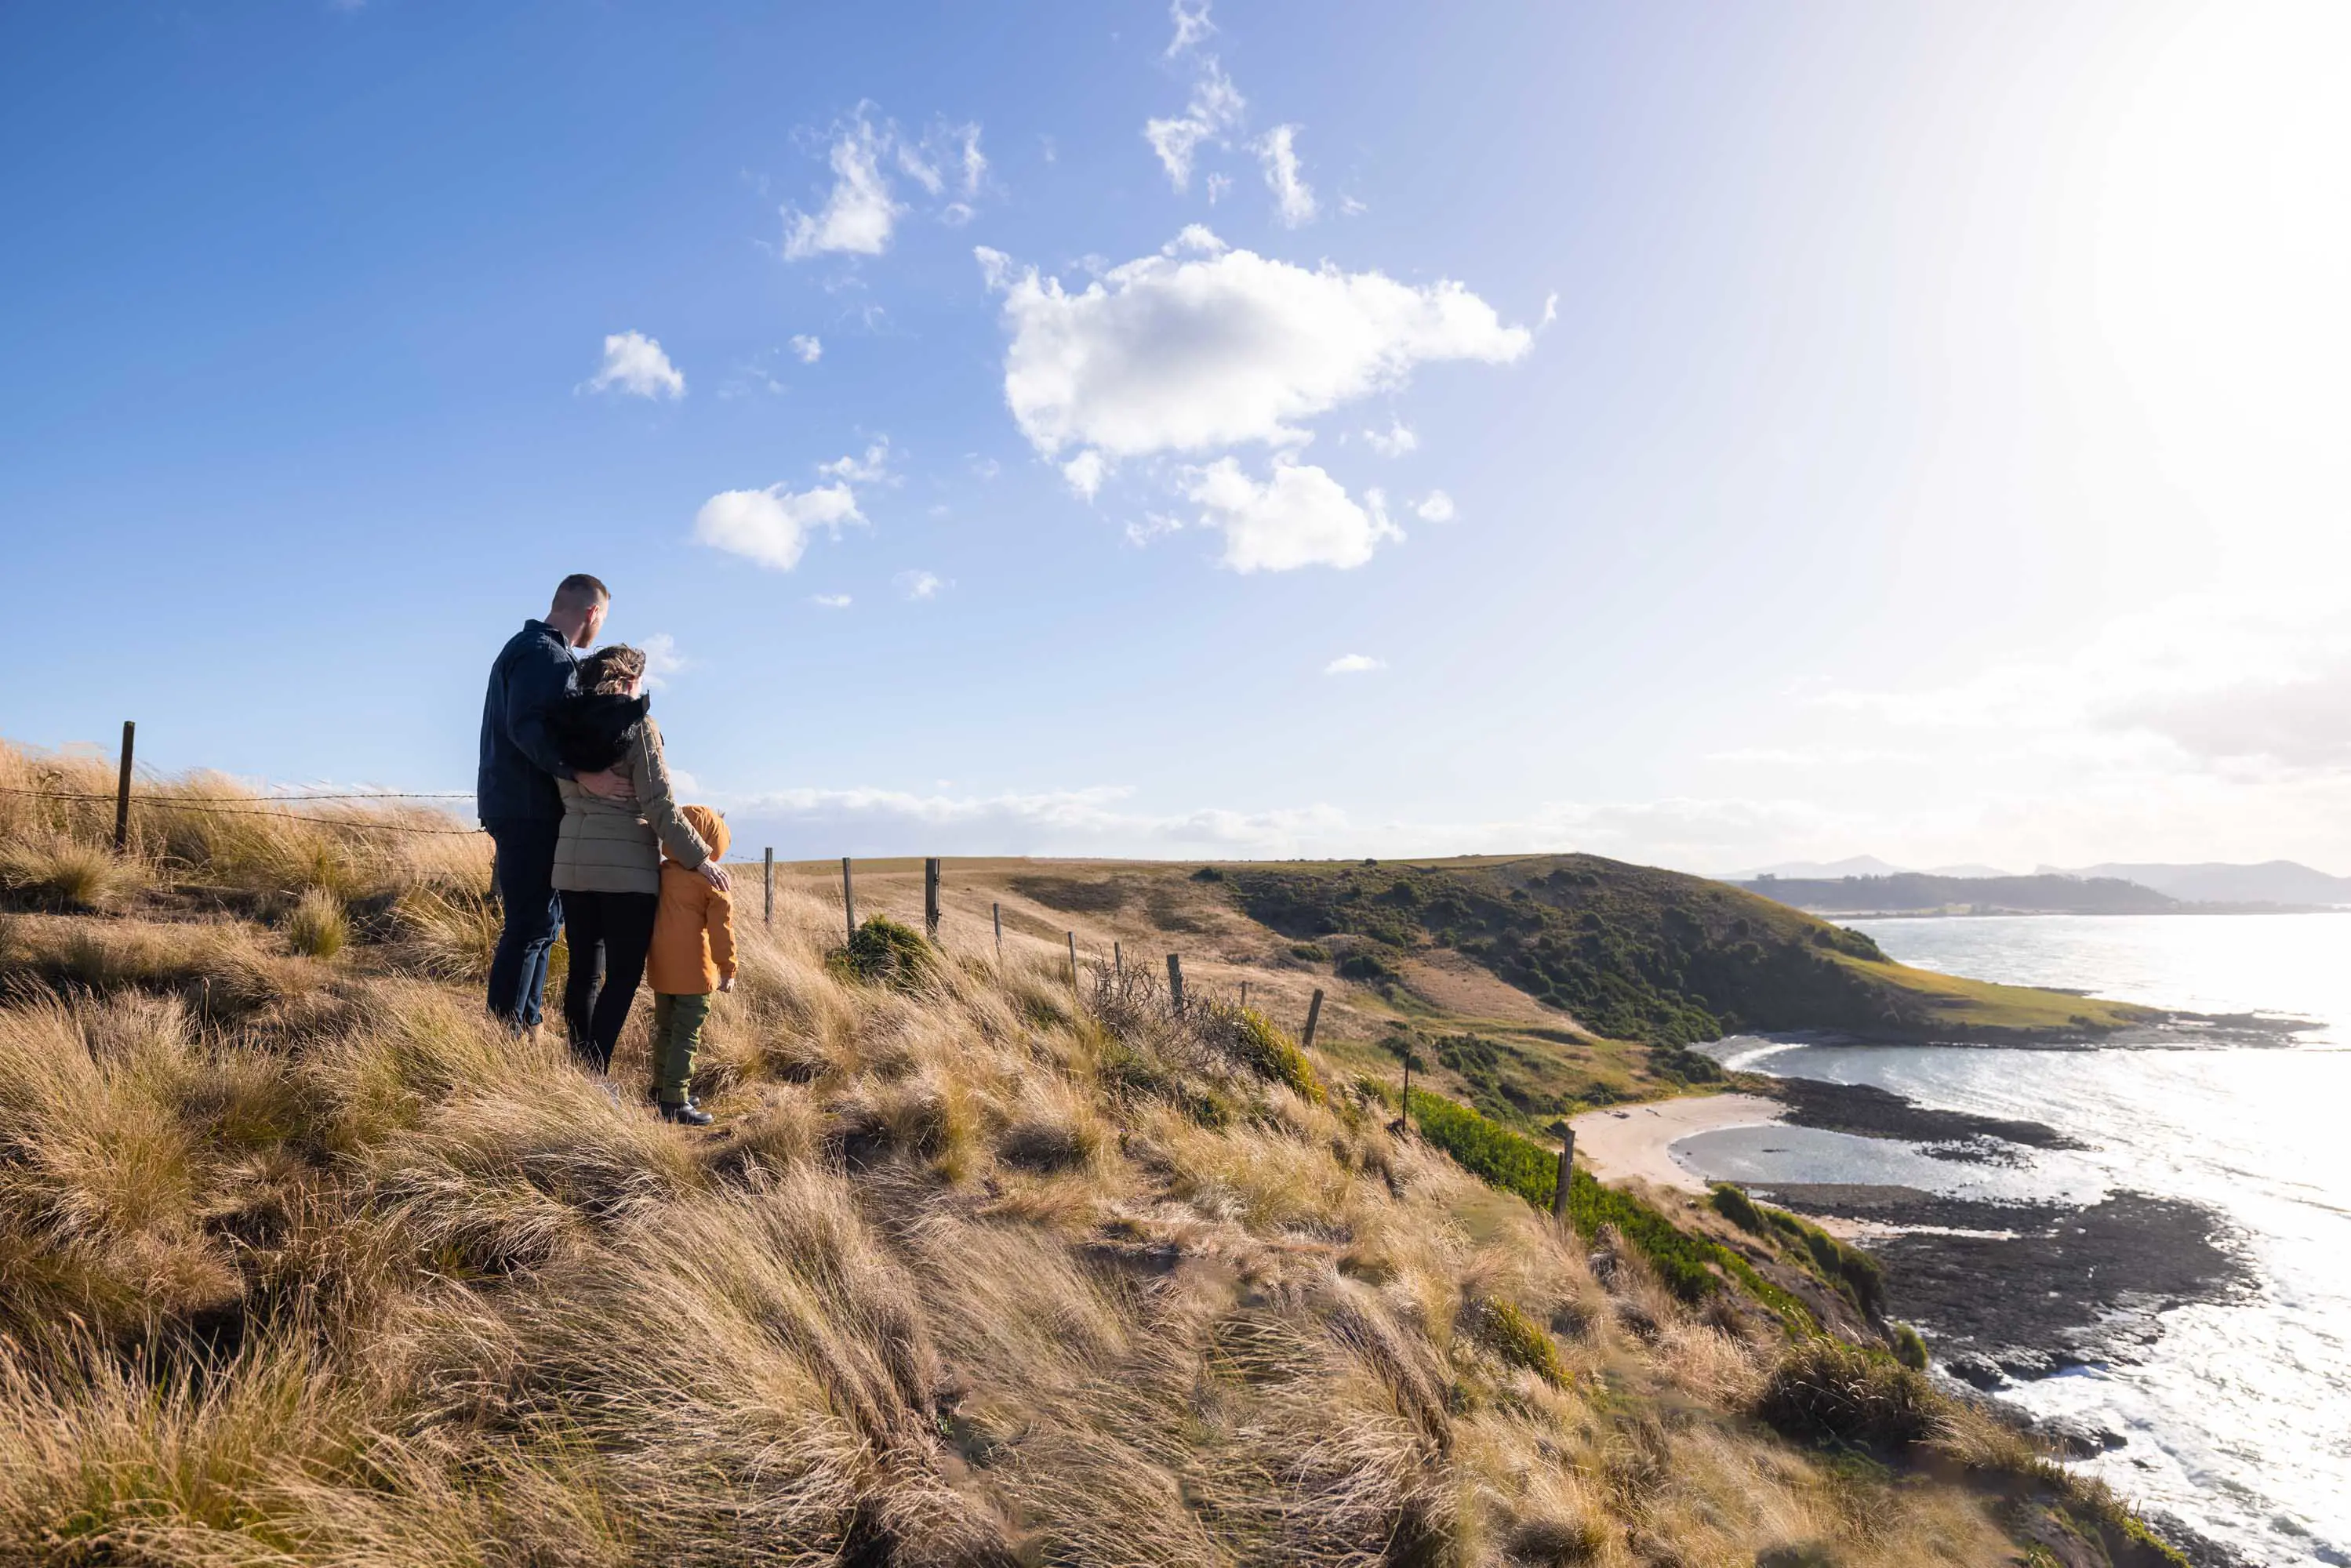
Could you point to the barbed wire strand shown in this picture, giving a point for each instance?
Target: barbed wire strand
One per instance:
(165, 802)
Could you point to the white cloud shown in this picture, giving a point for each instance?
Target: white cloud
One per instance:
(1214, 110)
(872, 468)
(810, 348)
(919, 584)
(1298, 517)
(1694, 833)
(858, 213)
(661, 659)
(634, 363)
(1085, 472)
(2222, 679)
(1350, 207)
(1219, 186)
(1171, 353)
(1353, 664)
(1293, 197)
(1153, 525)
(1437, 506)
(1397, 440)
(831, 600)
(947, 154)
(772, 525)
(1192, 24)
(1550, 310)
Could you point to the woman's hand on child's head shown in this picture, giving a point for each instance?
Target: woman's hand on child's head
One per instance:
(714, 875)
(728, 984)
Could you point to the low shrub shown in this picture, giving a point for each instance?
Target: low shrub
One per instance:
(1312, 952)
(1733, 1203)
(68, 874)
(882, 952)
(1516, 1338)
(1251, 1040)
(1369, 967)
(318, 926)
(1823, 1391)
(1909, 1348)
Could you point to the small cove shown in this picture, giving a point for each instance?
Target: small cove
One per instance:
(2201, 1238)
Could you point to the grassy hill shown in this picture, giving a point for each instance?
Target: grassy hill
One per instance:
(1636, 953)
(303, 1261)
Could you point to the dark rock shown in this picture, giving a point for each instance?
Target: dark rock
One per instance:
(1975, 1369)
(2075, 1436)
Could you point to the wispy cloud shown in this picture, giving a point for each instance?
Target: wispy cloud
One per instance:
(1212, 112)
(810, 348)
(634, 363)
(1293, 198)
(831, 600)
(862, 209)
(1437, 506)
(872, 468)
(919, 585)
(1191, 24)
(661, 659)
(1353, 664)
(859, 211)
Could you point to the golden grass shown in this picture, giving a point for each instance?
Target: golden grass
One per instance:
(310, 1263)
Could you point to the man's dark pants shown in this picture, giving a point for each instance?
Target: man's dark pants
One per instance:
(533, 916)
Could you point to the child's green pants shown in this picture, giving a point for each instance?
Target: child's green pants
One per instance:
(677, 1031)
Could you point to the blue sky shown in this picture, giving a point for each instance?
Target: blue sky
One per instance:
(1704, 434)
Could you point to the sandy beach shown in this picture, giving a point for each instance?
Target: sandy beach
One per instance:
(1635, 1140)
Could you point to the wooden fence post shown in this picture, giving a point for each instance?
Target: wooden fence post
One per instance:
(122, 792)
(767, 879)
(995, 912)
(1244, 993)
(1073, 963)
(1313, 1012)
(1566, 1165)
(1175, 982)
(931, 897)
(1117, 961)
(848, 897)
(1406, 1117)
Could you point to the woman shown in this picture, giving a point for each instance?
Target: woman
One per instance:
(608, 854)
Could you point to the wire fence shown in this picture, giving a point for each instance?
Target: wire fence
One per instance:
(264, 806)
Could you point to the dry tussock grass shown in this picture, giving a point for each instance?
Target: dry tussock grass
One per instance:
(969, 1275)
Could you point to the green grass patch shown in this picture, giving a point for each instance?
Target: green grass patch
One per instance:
(1686, 1263)
(882, 952)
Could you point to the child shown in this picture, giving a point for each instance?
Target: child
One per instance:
(693, 956)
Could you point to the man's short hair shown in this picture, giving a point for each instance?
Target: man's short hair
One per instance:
(579, 590)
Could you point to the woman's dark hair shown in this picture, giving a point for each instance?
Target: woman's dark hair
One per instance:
(608, 672)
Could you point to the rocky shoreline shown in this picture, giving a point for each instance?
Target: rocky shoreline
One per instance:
(2012, 1291)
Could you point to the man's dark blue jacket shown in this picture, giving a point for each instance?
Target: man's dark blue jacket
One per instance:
(519, 766)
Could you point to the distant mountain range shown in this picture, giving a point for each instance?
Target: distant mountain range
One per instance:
(1865, 884)
(1919, 892)
(2272, 882)
(1860, 866)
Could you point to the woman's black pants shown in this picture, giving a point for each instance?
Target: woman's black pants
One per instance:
(609, 935)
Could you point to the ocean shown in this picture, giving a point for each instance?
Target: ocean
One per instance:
(2236, 1420)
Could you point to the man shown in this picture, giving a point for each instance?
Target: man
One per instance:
(515, 792)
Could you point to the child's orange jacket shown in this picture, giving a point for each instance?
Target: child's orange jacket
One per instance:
(694, 927)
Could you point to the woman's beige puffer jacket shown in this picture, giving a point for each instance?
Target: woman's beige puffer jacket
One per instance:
(606, 846)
